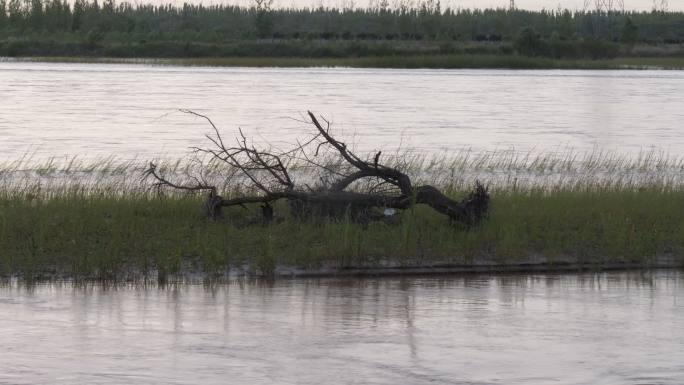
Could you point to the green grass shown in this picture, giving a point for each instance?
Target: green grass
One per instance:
(95, 219)
(117, 238)
(415, 61)
(114, 237)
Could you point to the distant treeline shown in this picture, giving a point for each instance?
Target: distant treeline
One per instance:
(81, 26)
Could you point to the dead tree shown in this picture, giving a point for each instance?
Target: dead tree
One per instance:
(266, 175)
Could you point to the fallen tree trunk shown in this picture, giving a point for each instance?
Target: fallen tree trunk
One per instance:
(266, 172)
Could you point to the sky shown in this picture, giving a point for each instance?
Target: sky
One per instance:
(639, 5)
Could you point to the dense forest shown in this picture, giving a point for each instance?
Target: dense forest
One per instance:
(122, 29)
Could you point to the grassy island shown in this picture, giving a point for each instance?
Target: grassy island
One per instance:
(97, 228)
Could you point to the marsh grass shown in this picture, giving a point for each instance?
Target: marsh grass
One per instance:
(502, 170)
(96, 219)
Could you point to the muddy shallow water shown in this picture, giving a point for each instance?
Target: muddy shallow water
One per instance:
(608, 328)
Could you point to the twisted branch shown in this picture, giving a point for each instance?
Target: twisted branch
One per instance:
(267, 172)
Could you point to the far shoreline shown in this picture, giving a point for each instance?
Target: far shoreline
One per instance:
(512, 62)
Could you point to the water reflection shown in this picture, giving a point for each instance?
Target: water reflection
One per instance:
(508, 329)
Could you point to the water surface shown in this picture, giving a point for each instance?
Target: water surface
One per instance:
(53, 109)
(611, 328)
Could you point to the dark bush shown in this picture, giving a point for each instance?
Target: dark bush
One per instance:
(530, 43)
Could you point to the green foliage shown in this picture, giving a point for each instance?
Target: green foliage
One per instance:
(530, 43)
(598, 49)
(93, 38)
(630, 32)
(3, 14)
(263, 24)
(15, 14)
(35, 15)
(263, 20)
(426, 21)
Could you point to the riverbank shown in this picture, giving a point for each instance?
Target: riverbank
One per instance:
(408, 36)
(397, 62)
(113, 237)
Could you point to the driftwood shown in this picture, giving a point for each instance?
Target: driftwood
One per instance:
(266, 174)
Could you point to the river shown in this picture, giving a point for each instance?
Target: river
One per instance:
(606, 328)
(131, 111)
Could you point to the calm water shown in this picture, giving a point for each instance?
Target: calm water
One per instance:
(131, 110)
(614, 328)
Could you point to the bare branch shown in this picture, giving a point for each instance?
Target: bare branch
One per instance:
(163, 182)
(265, 178)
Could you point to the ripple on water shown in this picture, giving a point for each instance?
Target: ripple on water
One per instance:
(619, 327)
